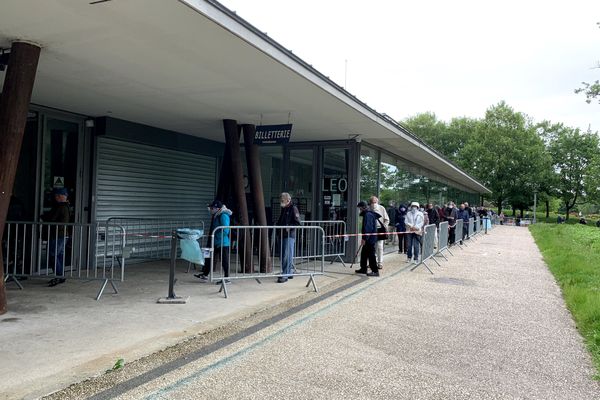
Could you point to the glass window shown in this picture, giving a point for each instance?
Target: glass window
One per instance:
(368, 173)
(334, 184)
(300, 182)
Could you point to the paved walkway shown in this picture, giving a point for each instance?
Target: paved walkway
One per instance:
(490, 324)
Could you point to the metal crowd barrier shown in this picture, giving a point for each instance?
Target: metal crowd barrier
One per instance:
(478, 226)
(443, 240)
(247, 260)
(89, 251)
(150, 238)
(335, 238)
(458, 230)
(471, 228)
(428, 248)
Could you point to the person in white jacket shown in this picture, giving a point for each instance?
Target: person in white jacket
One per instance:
(385, 220)
(414, 231)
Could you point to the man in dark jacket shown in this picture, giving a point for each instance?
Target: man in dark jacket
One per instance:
(401, 227)
(369, 240)
(464, 214)
(432, 215)
(290, 216)
(451, 216)
(57, 234)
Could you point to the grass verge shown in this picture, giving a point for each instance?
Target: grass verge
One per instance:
(572, 253)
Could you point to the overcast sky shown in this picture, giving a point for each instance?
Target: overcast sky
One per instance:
(454, 58)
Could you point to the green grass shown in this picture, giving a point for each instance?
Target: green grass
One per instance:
(572, 253)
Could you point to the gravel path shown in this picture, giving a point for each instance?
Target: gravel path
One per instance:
(490, 324)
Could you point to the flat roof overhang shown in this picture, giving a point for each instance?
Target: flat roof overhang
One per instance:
(184, 65)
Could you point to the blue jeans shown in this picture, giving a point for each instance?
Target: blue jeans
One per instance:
(57, 256)
(287, 255)
(414, 245)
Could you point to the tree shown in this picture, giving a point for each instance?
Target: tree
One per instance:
(574, 158)
(591, 90)
(506, 155)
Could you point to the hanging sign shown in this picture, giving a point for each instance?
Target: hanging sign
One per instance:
(273, 134)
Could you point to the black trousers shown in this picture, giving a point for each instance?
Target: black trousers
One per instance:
(402, 243)
(220, 254)
(368, 254)
(451, 235)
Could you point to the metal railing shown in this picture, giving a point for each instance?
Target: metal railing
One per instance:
(443, 240)
(471, 228)
(428, 247)
(335, 238)
(60, 251)
(246, 259)
(150, 238)
(458, 231)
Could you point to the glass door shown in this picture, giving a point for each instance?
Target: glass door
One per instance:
(334, 184)
(61, 164)
(299, 181)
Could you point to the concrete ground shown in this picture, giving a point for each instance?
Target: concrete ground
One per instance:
(490, 324)
(53, 337)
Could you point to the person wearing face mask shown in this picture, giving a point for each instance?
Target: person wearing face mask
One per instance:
(451, 216)
(385, 221)
(369, 240)
(415, 221)
(290, 216)
(464, 214)
(220, 216)
(401, 227)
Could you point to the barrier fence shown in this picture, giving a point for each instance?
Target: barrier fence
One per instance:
(428, 247)
(248, 260)
(335, 238)
(150, 238)
(471, 228)
(443, 240)
(61, 251)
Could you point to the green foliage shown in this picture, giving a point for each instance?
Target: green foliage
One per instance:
(574, 158)
(119, 364)
(572, 253)
(591, 90)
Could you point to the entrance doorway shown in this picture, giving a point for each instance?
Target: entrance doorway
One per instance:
(61, 163)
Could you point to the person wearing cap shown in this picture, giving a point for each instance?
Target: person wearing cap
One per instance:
(220, 216)
(383, 220)
(290, 216)
(414, 226)
(58, 214)
(369, 240)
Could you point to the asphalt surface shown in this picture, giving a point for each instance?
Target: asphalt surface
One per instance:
(489, 324)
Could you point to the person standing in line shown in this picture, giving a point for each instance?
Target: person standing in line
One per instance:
(415, 221)
(369, 240)
(393, 215)
(220, 215)
(384, 221)
(401, 227)
(451, 216)
(290, 216)
(57, 235)
(463, 214)
(433, 215)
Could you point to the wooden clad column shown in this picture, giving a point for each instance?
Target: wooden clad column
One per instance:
(258, 197)
(14, 104)
(232, 141)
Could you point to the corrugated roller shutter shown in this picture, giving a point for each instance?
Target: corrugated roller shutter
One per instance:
(136, 180)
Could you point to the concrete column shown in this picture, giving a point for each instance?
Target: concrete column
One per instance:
(258, 197)
(232, 141)
(14, 104)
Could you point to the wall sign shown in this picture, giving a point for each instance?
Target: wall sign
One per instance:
(273, 134)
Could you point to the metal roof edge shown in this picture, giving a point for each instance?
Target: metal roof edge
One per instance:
(381, 118)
